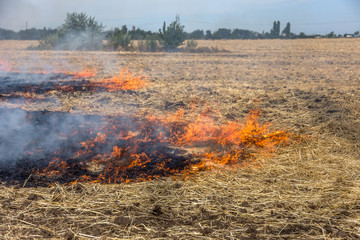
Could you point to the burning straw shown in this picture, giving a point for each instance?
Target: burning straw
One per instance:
(44, 82)
(135, 148)
(152, 147)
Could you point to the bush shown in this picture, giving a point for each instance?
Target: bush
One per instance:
(191, 44)
(49, 41)
(205, 50)
(150, 44)
(172, 36)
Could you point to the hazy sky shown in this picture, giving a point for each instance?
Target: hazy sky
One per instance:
(309, 16)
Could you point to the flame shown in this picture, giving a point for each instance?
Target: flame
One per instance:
(230, 142)
(146, 147)
(83, 74)
(69, 82)
(125, 80)
(158, 146)
(86, 73)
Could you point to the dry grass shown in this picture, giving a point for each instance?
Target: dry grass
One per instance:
(308, 190)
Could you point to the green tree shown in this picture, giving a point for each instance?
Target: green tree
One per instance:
(139, 34)
(172, 36)
(331, 35)
(275, 31)
(197, 34)
(208, 34)
(78, 32)
(286, 30)
(302, 35)
(7, 34)
(243, 34)
(222, 33)
(80, 22)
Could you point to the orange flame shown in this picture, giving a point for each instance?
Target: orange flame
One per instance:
(125, 80)
(87, 73)
(228, 143)
(83, 74)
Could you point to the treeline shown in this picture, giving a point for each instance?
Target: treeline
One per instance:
(81, 32)
(28, 34)
(221, 33)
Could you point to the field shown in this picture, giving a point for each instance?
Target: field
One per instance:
(307, 189)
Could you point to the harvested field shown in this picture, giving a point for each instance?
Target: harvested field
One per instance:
(307, 189)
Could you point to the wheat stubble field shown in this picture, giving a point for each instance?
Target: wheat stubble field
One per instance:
(307, 189)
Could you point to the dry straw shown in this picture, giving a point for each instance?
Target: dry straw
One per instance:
(308, 190)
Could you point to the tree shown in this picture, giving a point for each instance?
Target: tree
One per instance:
(208, 34)
(331, 35)
(76, 23)
(302, 35)
(172, 36)
(275, 31)
(138, 34)
(7, 34)
(197, 34)
(242, 34)
(222, 33)
(78, 32)
(286, 31)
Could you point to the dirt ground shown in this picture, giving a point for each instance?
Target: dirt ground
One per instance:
(307, 190)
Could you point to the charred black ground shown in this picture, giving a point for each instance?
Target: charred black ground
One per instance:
(42, 136)
(40, 83)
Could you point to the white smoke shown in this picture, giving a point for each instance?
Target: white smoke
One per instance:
(35, 135)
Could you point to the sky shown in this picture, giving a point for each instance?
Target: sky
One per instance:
(308, 16)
